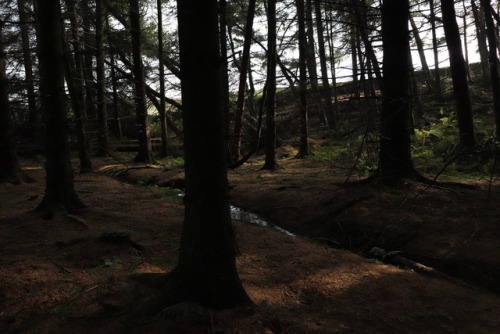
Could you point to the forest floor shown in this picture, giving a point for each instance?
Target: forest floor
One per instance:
(71, 274)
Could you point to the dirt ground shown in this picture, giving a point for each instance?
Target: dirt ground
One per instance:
(71, 274)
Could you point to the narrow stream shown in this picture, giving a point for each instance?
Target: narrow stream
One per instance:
(250, 217)
(246, 216)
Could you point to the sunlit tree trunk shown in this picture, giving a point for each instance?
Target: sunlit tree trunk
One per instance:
(60, 196)
(144, 154)
(458, 74)
(270, 101)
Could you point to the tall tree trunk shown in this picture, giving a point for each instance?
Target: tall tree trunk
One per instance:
(303, 145)
(311, 47)
(354, 61)
(60, 195)
(206, 272)
(79, 80)
(395, 156)
(34, 116)
(88, 68)
(493, 58)
(75, 88)
(466, 46)
(437, 74)
(332, 60)
(420, 48)
(102, 112)
(10, 170)
(240, 102)
(223, 34)
(362, 19)
(458, 75)
(327, 93)
(270, 101)
(481, 40)
(162, 112)
(144, 154)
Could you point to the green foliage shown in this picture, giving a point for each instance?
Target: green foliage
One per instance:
(432, 146)
(171, 162)
(169, 194)
(349, 154)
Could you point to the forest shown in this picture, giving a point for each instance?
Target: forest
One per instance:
(260, 166)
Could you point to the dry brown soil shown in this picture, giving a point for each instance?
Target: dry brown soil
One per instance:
(70, 274)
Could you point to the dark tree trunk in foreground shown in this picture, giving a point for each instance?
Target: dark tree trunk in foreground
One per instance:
(10, 171)
(60, 195)
(395, 162)
(206, 272)
(303, 145)
(144, 154)
(270, 101)
(458, 74)
(493, 60)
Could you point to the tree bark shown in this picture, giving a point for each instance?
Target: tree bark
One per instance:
(493, 58)
(60, 196)
(245, 62)
(311, 47)
(437, 74)
(88, 68)
(420, 48)
(10, 170)
(34, 113)
(162, 111)
(270, 101)
(73, 74)
(303, 144)
(327, 94)
(144, 154)
(481, 40)
(395, 162)
(458, 74)
(206, 272)
(102, 112)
